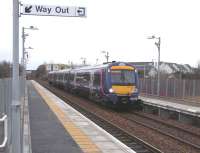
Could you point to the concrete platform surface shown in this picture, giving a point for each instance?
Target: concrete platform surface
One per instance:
(90, 137)
(47, 133)
(192, 110)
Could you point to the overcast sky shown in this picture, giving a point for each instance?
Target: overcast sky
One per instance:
(120, 27)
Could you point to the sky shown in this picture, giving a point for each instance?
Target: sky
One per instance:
(120, 27)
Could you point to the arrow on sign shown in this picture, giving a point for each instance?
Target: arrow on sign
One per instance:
(28, 9)
(81, 11)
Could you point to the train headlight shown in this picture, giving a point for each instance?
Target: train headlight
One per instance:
(135, 90)
(111, 90)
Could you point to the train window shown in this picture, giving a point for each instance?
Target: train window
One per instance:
(96, 79)
(86, 77)
(79, 78)
(71, 77)
(66, 76)
(61, 76)
(83, 78)
(122, 77)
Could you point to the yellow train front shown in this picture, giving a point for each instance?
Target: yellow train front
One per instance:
(120, 86)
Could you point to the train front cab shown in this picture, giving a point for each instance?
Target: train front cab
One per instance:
(122, 85)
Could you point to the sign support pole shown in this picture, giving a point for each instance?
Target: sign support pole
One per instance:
(16, 122)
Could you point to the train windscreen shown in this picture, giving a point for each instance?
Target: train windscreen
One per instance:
(123, 77)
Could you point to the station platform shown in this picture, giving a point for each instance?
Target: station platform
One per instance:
(172, 105)
(55, 127)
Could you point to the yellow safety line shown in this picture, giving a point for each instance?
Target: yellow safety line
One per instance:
(77, 134)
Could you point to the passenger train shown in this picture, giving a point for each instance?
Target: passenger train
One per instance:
(113, 83)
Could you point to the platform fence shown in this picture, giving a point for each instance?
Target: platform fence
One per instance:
(5, 107)
(171, 87)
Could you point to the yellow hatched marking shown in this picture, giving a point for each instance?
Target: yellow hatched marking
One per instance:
(77, 134)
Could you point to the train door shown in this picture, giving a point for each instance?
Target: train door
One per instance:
(96, 86)
(66, 85)
(91, 85)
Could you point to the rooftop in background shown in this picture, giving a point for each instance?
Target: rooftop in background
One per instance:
(150, 68)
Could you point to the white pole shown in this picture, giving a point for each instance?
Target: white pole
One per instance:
(16, 131)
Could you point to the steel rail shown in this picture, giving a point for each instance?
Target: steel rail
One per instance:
(146, 145)
(164, 133)
(166, 124)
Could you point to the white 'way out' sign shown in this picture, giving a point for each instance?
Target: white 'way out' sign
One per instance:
(47, 10)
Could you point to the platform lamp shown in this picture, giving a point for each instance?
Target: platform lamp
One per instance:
(24, 35)
(106, 55)
(83, 60)
(158, 46)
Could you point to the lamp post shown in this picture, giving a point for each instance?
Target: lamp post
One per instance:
(26, 57)
(158, 46)
(25, 62)
(106, 55)
(84, 60)
(24, 35)
(97, 61)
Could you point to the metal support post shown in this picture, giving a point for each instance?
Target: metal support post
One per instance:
(158, 87)
(183, 95)
(23, 60)
(16, 128)
(166, 91)
(158, 46)
(174, 88)
(106, 55)
(193, 88)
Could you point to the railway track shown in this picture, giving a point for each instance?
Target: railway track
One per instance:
(130, 140)
(174, 132)
(125, 135)
(170, 125)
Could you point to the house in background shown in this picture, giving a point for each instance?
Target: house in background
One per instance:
(55, 67)
(149, 69)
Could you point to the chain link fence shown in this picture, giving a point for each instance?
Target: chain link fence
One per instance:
(171, 87)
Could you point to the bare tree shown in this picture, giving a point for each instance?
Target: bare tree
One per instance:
(5, 69)
(41, 72)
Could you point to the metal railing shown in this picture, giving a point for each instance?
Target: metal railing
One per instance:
(6, 108)
(4, 119)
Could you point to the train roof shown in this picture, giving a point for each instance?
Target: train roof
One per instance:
(103, 66)
(87, 68)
